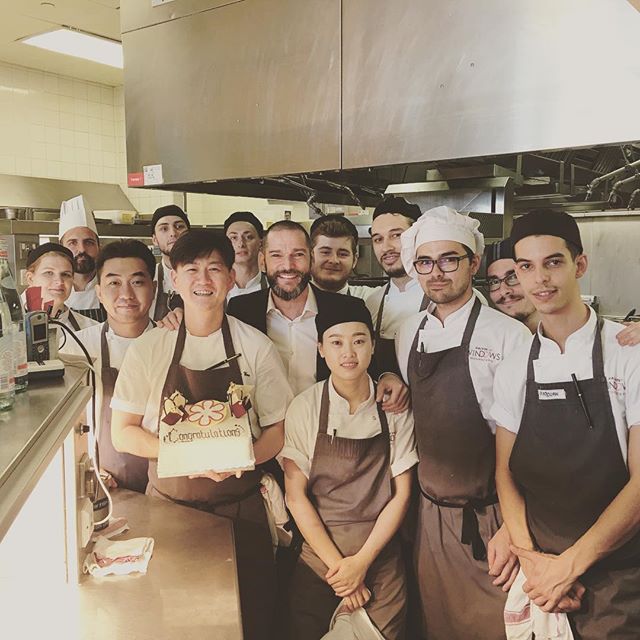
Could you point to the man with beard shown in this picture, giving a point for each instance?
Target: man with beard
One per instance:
(167, 225)
(448, 355)
(334, 245)
(507, 295)
(245, 232)
(78, 233)
(287, 312)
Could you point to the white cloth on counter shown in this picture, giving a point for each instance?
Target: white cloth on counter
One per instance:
(119, 558)
(352, 626)
(495, 336)
(303, 420)
(621, 369)
(523, 618)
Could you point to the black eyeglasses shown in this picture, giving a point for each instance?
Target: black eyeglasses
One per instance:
(446, 264)
(511, 280)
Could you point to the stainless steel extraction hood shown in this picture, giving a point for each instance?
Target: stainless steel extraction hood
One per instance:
(24, 195)
(335, 99)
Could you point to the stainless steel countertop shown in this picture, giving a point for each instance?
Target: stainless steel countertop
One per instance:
(31, 433)
(190, 590)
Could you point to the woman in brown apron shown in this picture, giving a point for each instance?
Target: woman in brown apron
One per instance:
(339, 506)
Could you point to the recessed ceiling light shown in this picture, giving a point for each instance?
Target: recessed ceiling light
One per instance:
(79, 45)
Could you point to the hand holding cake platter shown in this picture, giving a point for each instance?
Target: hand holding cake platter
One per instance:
(206, 436)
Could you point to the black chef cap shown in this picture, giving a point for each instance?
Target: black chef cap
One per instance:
(48, 247)
(244, 216)
(349, 309)
(546, 222)
(397, 205)
(498, 251)
(168, 210)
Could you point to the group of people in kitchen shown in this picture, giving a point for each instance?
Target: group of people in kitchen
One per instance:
(454, 468)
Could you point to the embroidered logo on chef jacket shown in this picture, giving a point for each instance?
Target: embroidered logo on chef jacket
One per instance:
(484, 354)
(617, 386)
(552, 394)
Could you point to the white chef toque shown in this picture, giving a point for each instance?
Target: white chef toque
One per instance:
(76, 213)
(440, 223)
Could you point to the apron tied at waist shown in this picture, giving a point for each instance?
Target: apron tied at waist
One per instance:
(470, 528)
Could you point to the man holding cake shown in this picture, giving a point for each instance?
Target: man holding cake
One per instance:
(206, 382)
(348, 482)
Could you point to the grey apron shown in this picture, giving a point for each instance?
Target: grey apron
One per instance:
(165, 302)
(129, 471)
(458, 511)
(238, 499)
(349, 485)
(568, 474)
(384, 355)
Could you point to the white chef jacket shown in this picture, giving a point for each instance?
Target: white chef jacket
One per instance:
(302, 423)
(90, 338)
(145, 367)
(621, 368)
(296, 341)
(87, 299)
(254, 284)
(495, 336)
(83, 321)
(167, 287)
(398, 306)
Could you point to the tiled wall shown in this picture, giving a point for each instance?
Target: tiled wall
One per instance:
(53, 126)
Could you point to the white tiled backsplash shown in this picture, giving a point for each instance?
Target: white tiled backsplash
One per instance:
(53, 126)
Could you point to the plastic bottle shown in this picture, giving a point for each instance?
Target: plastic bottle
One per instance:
(12, 299)
(7, 360)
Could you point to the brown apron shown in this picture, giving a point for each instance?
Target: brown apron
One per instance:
(236, 498)
(569, 473)
(165, 302)
(129, 471)
(384, 355)
(458, 512)
(349, 485)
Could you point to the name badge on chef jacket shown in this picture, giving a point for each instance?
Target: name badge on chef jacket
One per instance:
(552, 394)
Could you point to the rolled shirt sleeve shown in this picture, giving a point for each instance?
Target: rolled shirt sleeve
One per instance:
(404, 453)
(300, 429)
(133, 386)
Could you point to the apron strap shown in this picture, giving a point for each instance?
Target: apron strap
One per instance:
(424, 303)
(72, 321)
(376, 333)
(104, 347)
(414, 346)
(471, 324)
(229, 350)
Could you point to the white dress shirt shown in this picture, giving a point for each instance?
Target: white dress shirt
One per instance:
(87, 299)
(302, 423)
(296, 341)
(254, 284)
(495, 336)
(621, 368)
(398, 306)
(145, 367)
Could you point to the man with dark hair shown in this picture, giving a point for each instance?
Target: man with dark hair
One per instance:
(567, 406)
(125, 288)
(167, 225)
(78, 233)
(334, 243)
(245, 232)
(287, 311)
(200, 361)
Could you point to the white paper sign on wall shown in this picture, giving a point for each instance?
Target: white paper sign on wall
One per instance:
(152, 174)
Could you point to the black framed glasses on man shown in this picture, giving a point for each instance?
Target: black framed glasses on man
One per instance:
(511, 280)
(446, 264)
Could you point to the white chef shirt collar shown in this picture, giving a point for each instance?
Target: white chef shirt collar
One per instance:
(576, 342)
(336, 401)
(92, 283)
(412, 284)
(463, 311)
(310, 306)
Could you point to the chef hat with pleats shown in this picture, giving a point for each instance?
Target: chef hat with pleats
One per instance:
(76, 213)
(440, 223)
